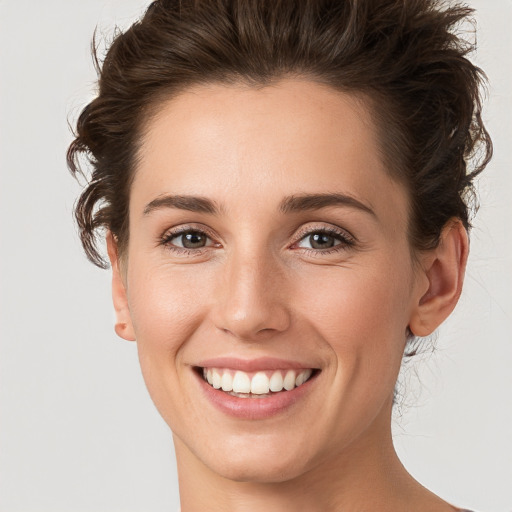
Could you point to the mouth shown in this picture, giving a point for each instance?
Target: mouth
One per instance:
(259, 384)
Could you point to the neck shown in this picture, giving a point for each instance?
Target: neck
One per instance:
(368, 475)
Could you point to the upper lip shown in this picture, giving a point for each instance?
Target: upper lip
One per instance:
(253, 365)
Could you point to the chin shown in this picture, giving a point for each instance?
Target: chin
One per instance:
(258, 470)
(256, 458)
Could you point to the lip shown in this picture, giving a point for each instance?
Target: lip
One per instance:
(253, 365)
(254, 408)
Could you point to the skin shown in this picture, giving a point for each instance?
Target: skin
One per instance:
(260, 288)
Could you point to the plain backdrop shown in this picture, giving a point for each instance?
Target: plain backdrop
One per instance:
(78, 431)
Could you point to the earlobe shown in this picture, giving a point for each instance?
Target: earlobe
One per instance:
(444, 268)
(123, 326)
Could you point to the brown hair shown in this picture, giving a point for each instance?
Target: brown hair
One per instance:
(405, 57)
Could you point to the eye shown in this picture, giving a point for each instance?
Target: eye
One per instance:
(319, 240)
(325, 240)
(190, 240)
(186, 239)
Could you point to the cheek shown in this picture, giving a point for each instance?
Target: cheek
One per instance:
(166, 309)
(357, 305)
(362, 316)
(164, 305)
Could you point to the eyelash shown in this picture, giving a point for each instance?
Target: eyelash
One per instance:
(170, 235)
(346, 240)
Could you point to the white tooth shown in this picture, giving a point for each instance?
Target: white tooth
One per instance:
(216, 379)
(289, 380)
(227, 381)
(241, 383)
(303, 377)
(209, 377)
(260, 384)
(276, 382)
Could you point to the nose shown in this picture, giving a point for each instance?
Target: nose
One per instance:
(251, 303)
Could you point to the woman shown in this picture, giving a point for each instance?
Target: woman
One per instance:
(285, 189)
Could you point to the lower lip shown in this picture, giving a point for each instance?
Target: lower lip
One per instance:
(254, 408)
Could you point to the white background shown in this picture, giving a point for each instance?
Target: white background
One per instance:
(78, 431)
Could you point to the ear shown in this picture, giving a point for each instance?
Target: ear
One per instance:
(123, 326)
(444, 268)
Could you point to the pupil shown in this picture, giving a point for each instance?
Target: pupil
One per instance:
(193, 240)
(321, 241)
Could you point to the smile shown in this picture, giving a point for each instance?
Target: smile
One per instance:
(256, 389)
(258, 384)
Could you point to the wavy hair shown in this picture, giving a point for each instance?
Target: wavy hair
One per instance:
(409, 59)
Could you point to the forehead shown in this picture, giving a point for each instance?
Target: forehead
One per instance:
(240, 143)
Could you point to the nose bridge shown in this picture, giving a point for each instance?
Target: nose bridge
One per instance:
(251, 304)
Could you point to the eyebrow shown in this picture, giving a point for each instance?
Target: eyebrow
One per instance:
(190, 203)
(293, 203)
(300, 202)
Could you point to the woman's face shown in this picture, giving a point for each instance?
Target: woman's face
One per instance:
(268, 244)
